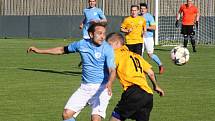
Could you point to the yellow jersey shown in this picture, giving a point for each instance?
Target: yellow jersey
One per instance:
(138, 25)
(130, 69)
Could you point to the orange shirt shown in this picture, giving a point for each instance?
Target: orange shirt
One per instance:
(189, 14)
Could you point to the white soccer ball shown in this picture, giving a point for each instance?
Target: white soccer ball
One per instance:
(180, 55)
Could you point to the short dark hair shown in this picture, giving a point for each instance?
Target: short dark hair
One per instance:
(93, 26)
(144, 5)
(135, 6)
(117, 35)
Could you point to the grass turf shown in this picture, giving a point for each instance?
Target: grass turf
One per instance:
(36, 87)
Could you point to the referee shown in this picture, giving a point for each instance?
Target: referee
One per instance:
(190, 17)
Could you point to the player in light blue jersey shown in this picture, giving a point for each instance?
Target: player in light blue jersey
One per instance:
(98, 73)
(92, 14)
(148, 36)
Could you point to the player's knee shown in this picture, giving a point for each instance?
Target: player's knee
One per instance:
(192, 37)
(96, 117)
(67, 114)
(150, 55)
(185, 37)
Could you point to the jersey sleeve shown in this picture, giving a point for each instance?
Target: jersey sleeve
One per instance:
(124, 24)
(144, 24)
(181, 9)
(84, 20)
(151, 20)
(101, 14)
(74, 47)
(110, 57)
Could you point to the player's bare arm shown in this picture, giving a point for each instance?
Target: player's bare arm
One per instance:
(82, 24)
(99, 21)
(154, 82)
(52, 51)
(151, 27)
(125, 30)
(112, 77)
(177, 19)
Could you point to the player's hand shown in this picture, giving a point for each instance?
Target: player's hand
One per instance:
(81, 26)
(109, 87)
(176, 24)
(197, 25)
(94, 21)
(159, 91)
(129, 30)
(32, 49)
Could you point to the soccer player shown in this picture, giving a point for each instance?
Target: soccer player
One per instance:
(98, 73)
(189, 19)
(148, 36)
(92, 14)
(133, 27)
(137, 99)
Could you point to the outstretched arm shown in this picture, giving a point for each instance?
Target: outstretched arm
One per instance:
(154, 82)
(52, 51)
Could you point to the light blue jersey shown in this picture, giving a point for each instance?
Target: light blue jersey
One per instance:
(91, 14)
(149, 21)
(95, 60)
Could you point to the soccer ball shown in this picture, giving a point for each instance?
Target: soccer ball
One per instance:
(180, 55)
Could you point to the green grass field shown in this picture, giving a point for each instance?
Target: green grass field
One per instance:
(36, 87)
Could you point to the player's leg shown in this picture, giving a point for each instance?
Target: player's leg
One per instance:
(96, 117)
(76, 102)
(192, 39)
(149, 45)
(68, 115)
(184, 31)
(99, 103)
(128, 105)
(185, 40)
(144, 113)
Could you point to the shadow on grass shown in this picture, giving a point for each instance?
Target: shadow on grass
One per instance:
(159, 49)
(52, 71)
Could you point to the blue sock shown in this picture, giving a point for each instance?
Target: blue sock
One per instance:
(156, 59)
(71, 119)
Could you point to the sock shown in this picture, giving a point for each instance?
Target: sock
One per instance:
(71, 119)
(193, 42)
(185, 40)
(156, 59)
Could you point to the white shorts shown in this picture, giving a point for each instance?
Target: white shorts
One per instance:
(148, 45)
(95, 95)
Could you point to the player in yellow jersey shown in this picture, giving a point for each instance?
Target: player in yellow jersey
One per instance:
(134, 26)
(137, 99)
